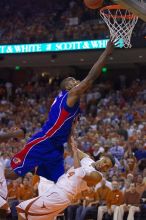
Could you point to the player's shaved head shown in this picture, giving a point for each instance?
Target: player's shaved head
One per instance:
(68, 83)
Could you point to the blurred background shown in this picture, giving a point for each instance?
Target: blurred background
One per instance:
(113, 117)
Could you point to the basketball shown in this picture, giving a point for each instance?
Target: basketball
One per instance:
(93, 4)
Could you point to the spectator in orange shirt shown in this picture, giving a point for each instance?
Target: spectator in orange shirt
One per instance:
(88, 198)
(25, 192)
(101, 193)
(13, 190)
(74, 211)
(114, 200)
(131, 203)
(100, 197)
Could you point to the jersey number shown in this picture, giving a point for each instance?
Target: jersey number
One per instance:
(70, 174)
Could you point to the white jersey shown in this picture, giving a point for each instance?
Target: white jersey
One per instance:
(59, 196)
(44, 185)
(3, 186)
(72, 182)
(86, 163)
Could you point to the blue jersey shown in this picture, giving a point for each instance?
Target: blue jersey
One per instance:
(45, 148)
(60, 118)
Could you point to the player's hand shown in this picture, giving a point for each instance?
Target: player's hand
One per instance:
(74, 125)
(110, 45)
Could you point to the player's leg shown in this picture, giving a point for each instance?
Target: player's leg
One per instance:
(10, 174)
(38, 152)
(44, 185)
(4, 207)
(47, 206)
(31, 156)
(3, 184)
(53, 167)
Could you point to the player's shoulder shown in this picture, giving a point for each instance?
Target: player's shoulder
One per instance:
(87, 160)
(62, 93)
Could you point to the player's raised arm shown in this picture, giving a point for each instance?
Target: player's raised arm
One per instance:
(94, 73)
(72, 144)
(76, 158)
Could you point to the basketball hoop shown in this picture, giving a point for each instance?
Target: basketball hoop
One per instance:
(120, 22)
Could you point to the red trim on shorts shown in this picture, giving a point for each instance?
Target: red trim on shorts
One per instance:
(22, 154)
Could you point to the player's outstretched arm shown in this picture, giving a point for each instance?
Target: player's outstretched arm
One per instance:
(18, 133)
(82, 154)
(94, 73)
(71, 143)
(76, 158)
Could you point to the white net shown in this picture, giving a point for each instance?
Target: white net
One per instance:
(121, 23)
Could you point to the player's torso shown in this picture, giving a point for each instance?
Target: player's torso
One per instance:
(87, 162)
(71, 183)
(72, 180)
(60, 118)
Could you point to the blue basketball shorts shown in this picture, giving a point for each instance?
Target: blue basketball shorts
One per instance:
(43, 153)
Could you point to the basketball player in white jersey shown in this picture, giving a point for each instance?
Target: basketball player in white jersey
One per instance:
(83, 175)
(14, 133)
(4, 207)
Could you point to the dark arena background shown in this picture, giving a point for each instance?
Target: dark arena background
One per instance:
(41, 43)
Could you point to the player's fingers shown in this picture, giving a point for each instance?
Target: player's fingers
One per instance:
(113, 38)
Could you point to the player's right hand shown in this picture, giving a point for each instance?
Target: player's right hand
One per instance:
(110, 45)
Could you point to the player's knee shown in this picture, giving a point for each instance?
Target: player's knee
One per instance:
(10, 174)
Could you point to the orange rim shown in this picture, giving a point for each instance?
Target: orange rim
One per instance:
(116, 7)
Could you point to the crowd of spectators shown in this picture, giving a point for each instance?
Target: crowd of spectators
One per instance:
(112, 121)
(49, 21)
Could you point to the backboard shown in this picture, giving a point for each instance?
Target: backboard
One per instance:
(138, 7)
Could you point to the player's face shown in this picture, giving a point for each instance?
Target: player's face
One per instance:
(103, 164)
(72, 82)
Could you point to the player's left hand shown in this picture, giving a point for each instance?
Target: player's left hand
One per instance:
(111, 44)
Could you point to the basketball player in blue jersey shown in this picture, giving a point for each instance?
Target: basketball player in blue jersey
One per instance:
(44, 149)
